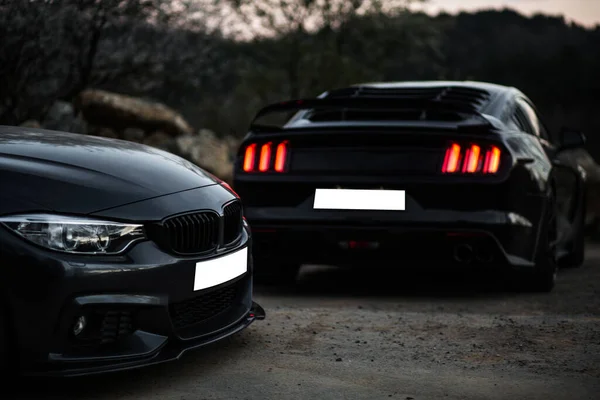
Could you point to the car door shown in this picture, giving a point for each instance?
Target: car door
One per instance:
(565, 176)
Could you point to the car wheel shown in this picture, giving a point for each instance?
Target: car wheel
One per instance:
(275, 273)
(576, 256)
(542, 278)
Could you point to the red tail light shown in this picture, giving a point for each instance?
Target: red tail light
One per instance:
(474, 159)
(493, 156)
(249, 158)
(265, 159)
(280, 156)
(452, 158)
(471, 159)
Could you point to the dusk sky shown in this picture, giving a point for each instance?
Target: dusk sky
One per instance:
(586, 12)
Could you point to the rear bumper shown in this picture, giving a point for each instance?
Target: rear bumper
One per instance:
(348, 237)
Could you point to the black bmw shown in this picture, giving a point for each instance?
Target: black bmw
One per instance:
(114, 255)
(444, 173)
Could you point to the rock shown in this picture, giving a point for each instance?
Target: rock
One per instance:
(31, 124)
(162, 141)
(60, 114)
(79, 125)
(62, 117)
(120, 112)
(134, 135)
(209, 152)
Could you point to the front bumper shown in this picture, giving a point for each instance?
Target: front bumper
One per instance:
(140, 308)
(142, 349)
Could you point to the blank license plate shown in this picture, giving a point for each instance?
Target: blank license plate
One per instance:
(213, 272)
(358, 199)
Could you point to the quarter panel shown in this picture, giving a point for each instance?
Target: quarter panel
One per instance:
(532, 160)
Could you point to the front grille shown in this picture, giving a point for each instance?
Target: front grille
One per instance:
(232, 222)
(200, 308)
(187, 234)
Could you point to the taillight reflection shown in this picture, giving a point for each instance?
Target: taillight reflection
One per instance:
(474, 159)
(264, 158)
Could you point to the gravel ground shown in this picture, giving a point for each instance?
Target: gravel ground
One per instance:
(371, 334)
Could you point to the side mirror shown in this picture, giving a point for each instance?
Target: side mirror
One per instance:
(571, 139)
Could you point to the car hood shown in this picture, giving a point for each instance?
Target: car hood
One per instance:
(80, 174)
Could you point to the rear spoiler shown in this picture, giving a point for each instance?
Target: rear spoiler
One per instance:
(363, 103)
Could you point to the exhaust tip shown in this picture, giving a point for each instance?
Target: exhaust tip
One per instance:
(463, 253)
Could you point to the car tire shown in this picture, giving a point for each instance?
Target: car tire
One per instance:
(273, 273)
(576, 256)
(4, 348)
(542, 278)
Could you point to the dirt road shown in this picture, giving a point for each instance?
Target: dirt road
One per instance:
(369, 334)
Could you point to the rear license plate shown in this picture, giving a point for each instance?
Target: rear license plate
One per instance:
(359, 199)
(213, 272)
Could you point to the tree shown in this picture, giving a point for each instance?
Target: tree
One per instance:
(26, 55)
(292, 22)
(53, 49)
(282, 17)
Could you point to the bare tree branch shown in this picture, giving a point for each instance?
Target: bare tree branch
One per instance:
(53, 49)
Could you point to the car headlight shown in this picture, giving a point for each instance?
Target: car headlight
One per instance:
(75, 235)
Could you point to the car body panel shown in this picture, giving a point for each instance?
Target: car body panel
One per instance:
(405, 154)
(211, 197)
(140, 304)
(146, 280)
(81, 174)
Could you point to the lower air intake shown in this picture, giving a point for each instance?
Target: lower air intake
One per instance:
(116, 324)
(202, 307)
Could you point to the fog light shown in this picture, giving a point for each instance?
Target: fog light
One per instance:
(79, 325)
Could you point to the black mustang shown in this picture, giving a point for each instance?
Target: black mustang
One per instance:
(461, 172)
(114, 255)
